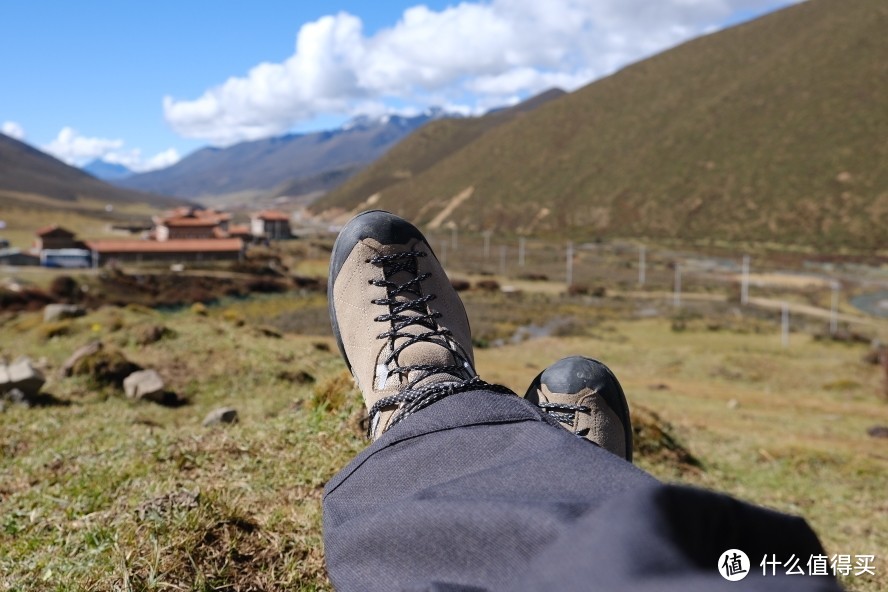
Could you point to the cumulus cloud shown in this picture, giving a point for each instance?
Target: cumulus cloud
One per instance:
(77, 150)
(74, 149)
(490, 52)
(13, 130)
(134, 161)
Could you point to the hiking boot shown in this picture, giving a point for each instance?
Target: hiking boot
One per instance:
(584, 396)
(399, 323)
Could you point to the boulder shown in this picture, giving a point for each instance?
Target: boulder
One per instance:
(220, 415)
(57, 312)
(145, 384)
(79, 353)
(21, 375)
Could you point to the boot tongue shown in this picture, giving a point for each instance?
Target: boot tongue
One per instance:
(429, 352)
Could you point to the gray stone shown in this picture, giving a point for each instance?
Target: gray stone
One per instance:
(57, 312)
(144, 384)
(81, 352)
(220, 415)
(21, 375)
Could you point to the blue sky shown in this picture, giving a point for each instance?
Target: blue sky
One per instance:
(133, 80)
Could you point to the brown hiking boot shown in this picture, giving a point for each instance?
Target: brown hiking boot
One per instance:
(400, 325)
(584, 396)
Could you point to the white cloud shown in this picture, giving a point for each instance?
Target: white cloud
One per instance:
(13, 130)
(488, 51)
(77, 150)
(161, 160)
(133, 160)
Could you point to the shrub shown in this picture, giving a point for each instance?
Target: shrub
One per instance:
(266, 286)
(105, 367)
(460, 285)
(488, 285)
(56, 329)
(65, 287)
(148, 334)
(332, 394)
(233, 317)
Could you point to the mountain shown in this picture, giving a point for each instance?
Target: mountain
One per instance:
(424, 148)
(315, 160)
(26, 171)
(106, 171)
(770, 131)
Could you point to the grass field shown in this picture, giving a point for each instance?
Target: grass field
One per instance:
(102, 493)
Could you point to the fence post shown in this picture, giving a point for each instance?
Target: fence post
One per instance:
(570, 262)
(676, 294)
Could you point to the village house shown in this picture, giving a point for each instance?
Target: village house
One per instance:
(55, 237)
(191, 223)
(271, 224)
(170, 250)
(185, 234)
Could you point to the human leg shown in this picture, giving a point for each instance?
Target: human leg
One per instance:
(469, 487)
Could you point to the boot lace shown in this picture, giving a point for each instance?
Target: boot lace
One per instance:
(411, 399)
(565, 413)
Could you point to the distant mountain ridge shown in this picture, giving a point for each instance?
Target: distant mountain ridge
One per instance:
(770, 131)
(425, 148)
(106, 171)
(314, 160)
(24, 170)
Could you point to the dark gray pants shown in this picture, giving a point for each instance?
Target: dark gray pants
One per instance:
(480, 492)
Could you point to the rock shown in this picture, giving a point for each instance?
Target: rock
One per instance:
(21, 375)
(79, 353)
(220, 415)
(57, 312)
(145, 384)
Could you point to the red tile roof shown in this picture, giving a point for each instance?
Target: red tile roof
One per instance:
(185, 216)
(204, 245)
(53, 228)
(181, 222)
(238, 229)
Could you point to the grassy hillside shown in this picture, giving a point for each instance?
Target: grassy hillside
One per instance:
(27, 171)
(37, 190)
(102, 493)
(773, 130)
(423, 149)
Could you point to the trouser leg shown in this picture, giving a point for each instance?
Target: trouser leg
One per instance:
(479, 492)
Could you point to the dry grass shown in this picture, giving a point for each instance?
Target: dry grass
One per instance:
(104, 493)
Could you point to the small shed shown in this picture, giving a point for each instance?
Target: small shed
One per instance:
(18, 257)
(55, 237)
(271, 224)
